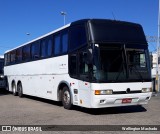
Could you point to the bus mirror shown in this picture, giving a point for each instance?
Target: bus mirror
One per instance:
(151, 60)
(89, 56)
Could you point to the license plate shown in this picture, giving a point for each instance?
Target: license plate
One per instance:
(127, 100)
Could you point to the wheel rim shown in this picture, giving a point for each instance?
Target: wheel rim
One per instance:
(19, 89)
(14, 88)
(66, 97)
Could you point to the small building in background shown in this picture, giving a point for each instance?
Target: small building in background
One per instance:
(154, 70)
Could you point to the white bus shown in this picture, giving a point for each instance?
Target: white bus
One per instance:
(92, 63)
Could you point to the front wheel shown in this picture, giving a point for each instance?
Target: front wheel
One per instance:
(66, 98)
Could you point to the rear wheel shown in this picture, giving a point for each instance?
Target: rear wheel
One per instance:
(7, 84)
(14, 89)
(66, 98)
(20, 90)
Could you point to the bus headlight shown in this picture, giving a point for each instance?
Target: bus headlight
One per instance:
(104, 92)
(145, 90)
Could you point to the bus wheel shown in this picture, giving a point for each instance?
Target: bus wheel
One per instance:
(20, 90)
(66, 98)
(14, 89)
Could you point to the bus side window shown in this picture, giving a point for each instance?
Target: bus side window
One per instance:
(57, 45)
(46, 47)
(19, 55)
(5, 59)
(9, 58)
(78, 37)
(43, 49)
(49, 47)
(13, 56)
(73, 65)
(35, 51)
(26, 53)
(65, 42)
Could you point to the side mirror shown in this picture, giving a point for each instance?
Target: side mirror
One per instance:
(151, 60)
(89, 56)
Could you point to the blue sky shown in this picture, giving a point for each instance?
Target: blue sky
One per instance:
(38, 17)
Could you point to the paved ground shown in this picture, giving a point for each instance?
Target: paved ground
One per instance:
(34, 111)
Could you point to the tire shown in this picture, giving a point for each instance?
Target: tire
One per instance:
(14, 91)
(7, 84)
(20, 90)
(66, 98)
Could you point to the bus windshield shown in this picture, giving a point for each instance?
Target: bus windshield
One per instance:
(121, 63)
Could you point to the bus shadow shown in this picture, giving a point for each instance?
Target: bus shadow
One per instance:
(56, 103)
(3, 92)
(111, 110)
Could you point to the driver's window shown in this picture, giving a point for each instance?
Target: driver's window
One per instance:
(73, 65)
(83, 66)
(142, 60)
(136, 58)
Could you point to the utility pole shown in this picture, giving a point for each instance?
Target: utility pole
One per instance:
(158, 41)
(28, 34)
(64, 17)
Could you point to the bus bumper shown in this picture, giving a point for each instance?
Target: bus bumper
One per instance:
(101, 101)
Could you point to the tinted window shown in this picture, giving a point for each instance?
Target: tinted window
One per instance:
(13, 56)
(43, 49)
(49, 47)
(8, 58)
(136, 58)
(5, 59)
(19, 55)
(73, 65)
(46, 47)
(57, 45)
(35, 50)
(26, 52)
(64, 42)
(116, 31)
(77, 37)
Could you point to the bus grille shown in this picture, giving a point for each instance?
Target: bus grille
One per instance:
(124, 92)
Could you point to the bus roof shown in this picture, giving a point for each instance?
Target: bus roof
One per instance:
(1, 56)
(103, 20)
